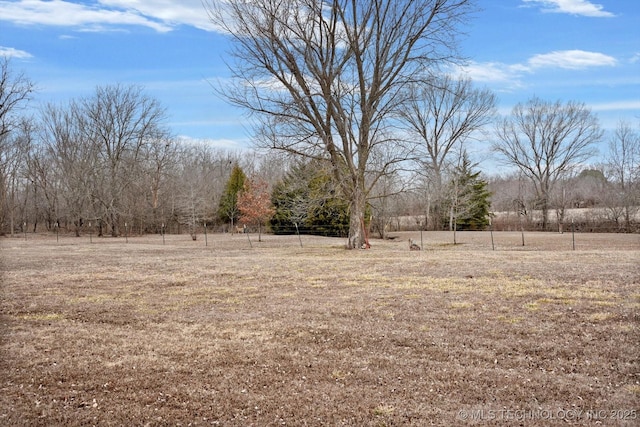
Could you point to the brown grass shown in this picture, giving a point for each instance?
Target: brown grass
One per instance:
(141, 333)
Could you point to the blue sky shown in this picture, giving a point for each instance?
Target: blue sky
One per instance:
(581, 50)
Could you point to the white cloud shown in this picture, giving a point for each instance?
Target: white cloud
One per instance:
(11, 52)
(617, 106)
(507, 76)
(171, 12)
(573, 7)
(571, 59)
(489, 71)
(510, 76)
(109, 15)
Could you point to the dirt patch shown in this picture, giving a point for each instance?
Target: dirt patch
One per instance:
(146, 333)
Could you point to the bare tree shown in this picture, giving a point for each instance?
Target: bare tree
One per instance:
(386, 203)
(512, 200)
(623, 170)
(41, 171)
(14, 175)
(544, 140)
(15, 90)
(74, 161)
(385, 194)
(199, 182)
(158, 165)
(442, 114)
(563, 197)
(323, 78)
(120, 121)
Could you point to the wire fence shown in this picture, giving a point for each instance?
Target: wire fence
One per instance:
(428, 241)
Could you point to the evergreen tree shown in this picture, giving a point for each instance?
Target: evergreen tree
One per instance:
(308, 201)
(469, 202)
(328, 214)
(228, 208)
(290, 199)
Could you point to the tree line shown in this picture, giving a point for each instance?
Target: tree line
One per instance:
(107, 162)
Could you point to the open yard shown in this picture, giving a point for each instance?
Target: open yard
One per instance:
(142, 333)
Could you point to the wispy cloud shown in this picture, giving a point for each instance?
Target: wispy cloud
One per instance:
(573, 7)
(617, 106)
(171, 12)
(159, 15)
(505, 75)
(11, 52)
(571, 60)
(510, 75)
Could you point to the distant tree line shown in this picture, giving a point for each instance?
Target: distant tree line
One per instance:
(108, 163)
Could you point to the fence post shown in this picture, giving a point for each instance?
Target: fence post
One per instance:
(493, 246)
(298, 233)
(248, 238)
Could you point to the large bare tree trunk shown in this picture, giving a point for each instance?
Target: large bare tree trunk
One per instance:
(357, 208)
(115, 218)
(545, 213)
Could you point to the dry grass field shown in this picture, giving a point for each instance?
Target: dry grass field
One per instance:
(182, 334)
